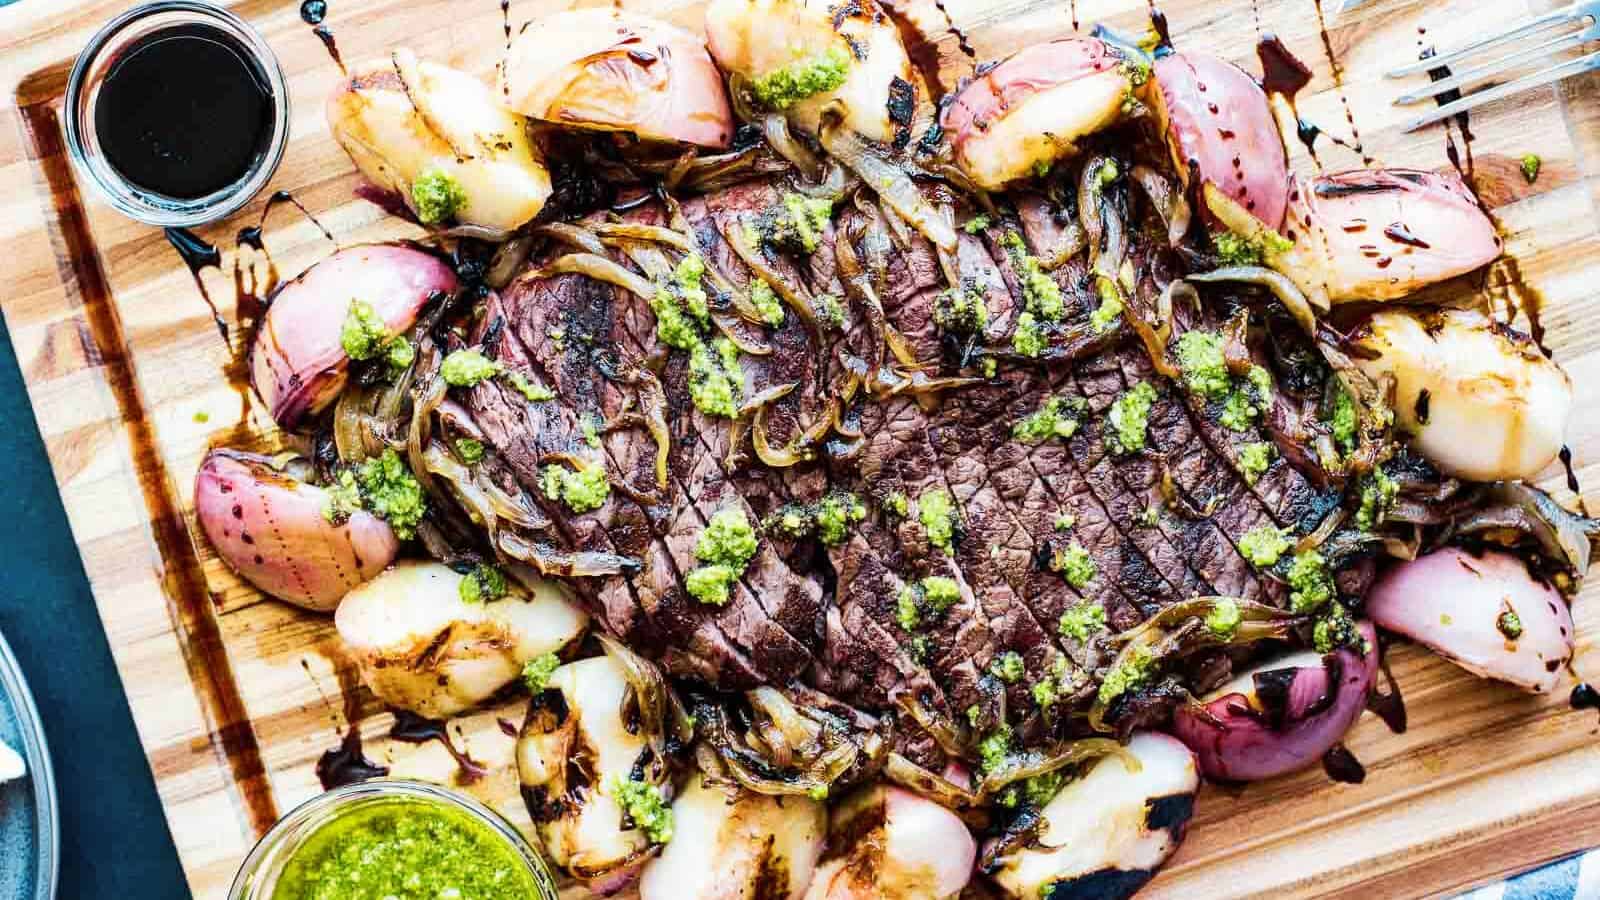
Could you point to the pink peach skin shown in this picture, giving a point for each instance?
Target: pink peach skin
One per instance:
(271, 529)
(1220, 128)
(1452, 601)
(297, 364)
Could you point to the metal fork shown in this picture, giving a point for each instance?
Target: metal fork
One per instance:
(1585, 14)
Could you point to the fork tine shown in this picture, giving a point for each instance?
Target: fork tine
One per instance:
(1471, 101)
(1503, 64)
(1543, 23)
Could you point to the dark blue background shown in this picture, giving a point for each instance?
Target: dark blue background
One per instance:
(114, 838)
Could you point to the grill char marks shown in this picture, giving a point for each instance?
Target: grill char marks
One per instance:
(830, 618)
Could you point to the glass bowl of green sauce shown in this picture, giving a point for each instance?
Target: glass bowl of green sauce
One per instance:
(399, 839)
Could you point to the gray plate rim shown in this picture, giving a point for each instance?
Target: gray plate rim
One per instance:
(47, 821)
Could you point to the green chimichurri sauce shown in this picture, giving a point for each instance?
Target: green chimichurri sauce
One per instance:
(407, 850)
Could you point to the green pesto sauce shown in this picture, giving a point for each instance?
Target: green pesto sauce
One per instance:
(766, 303)
(673, 326)
(1083, 621)
(1531, 164)
(1378, 492)
(711, 585)
(646, 806)
(1028, 339)
(897, 503)
(1342, 420)
(689, 276)
(363, 333)
(1254, 458)
(1224, 618)
(1129, 674)
(727, 540)
(482, 584)
(1129, 419)
(465, 368)
(1336, 628)
(938, 514)
(1052, 419)
(804, 78)
(977, 224)
(383, 486)
(1200, 357)
(1235, 249)
(1110, 307)
(1264, 546)
(406, 850)
(830, 312)
(961, 311)
(534, 393)
(835, 514)
(1310, 583)
(808, 216)
(1074, 564)
(927, 600)
(438, 197)
(1039, 290)
(1509, 624)
(536, 672)
(1065, 521)
(581, 491)
(1007, 667)
(716, 381)
(994, 749)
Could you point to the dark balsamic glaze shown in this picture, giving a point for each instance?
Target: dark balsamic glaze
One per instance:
(951, 29)
(505, 19)
(1566, 463)
(1337, 69)
(347, 763)
(1163, 29)
(1074, 12)
(313, 12)
(1284, 75)
(1388, 705)
(199, 255)
(184, 112)
(923, 52)
(1584, 696)
(1399, 233)
(1342, 765)
(414, 729)
(192, 607)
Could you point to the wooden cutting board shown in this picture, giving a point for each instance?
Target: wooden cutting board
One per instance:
(236, 696)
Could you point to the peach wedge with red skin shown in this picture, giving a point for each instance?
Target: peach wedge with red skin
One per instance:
(272, 530)
(1483, 612)
(1381, 234)
(751, 39)
(608, 70)
(1034, 108)
(298, 364)
(1220, 129)
(401, 118)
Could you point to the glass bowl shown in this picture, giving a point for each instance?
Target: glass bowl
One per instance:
(83, 90)
(258, 877)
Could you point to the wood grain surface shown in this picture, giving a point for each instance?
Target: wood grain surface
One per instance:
(236, 696)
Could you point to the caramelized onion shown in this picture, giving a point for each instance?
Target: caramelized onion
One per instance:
(600, 269)
(1279, 284)
(550, 561)
(893, 186)
(1170, 203)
